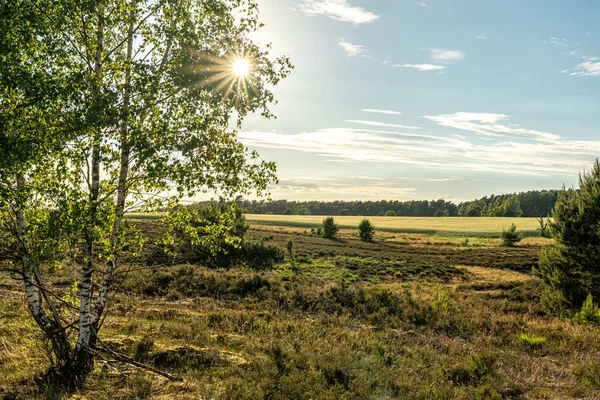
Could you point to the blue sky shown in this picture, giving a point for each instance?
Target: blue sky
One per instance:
(463, 98)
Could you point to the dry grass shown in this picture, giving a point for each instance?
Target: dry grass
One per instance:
(450, 225)
(488, 275)
(351, 320)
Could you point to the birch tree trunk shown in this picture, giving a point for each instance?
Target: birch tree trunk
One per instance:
(33, 287)
(83, 360)
(122, 183)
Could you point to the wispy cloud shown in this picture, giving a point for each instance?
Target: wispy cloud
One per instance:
(390, 112)
(446, 55)
(489, 125)
(441, 179)
(356, 189)
(375, 123)
(420, 67)
(514, 156)
(587, 34)
(351, 49)
(590, 67)
(339, 10)
(556, 41)
(423, 4)
(481, 37)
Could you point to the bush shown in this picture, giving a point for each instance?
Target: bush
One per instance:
(205, 235)
(511, 237)
(259, 255)
(344, 211)
(441, 213)
(390, 213)
(330, 228)
(590, 313)
(366, 230)
(288, 211)
(214, 236)
(571, 268)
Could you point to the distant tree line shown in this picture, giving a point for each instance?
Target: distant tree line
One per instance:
(526, 204)
(534, 203)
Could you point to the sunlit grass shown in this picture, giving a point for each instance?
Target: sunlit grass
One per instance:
(448, 226)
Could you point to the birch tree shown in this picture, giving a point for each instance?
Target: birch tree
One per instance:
(146, 94)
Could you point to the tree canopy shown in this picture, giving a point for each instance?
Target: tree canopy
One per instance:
(571, 268)
(112, 105)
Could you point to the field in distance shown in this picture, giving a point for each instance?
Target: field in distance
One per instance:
(460, 226)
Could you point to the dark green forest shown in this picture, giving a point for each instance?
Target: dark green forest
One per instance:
(533, 203)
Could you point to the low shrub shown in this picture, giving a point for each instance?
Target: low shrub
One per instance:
(259, 255)
(590, 313)
(214, 236)
(511, 236)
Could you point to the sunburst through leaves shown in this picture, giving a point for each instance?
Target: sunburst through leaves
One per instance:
(230, 74)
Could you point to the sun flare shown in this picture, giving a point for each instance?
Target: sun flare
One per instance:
(241, 67)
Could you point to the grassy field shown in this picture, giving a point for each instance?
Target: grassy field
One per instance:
(409, 319)
(451, 226)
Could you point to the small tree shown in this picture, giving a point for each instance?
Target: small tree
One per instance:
(344, 211)
(543, 227)
(330, 228)
(571, 268)
(366, 230)
(390, 213)
(106, 106)
(440, 213)
(288, 211)
(511, 237)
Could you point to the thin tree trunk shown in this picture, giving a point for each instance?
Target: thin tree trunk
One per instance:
(123, 176)
(52, 328)
(83, 360)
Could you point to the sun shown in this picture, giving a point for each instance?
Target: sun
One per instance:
(241, 67)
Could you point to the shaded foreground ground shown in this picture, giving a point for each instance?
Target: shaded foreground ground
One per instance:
(410, 317)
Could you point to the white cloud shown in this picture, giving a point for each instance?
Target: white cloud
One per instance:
(587, 34)
(375, 123)
(420, 67)
(551, 158)
(371, 110)
(481, 37)
(590, 66)
(351, 49)
(489, 125)
(555, 41)
(340, 10)
(441, 179)
(423, 4)
(586, 68)
(446, 55)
